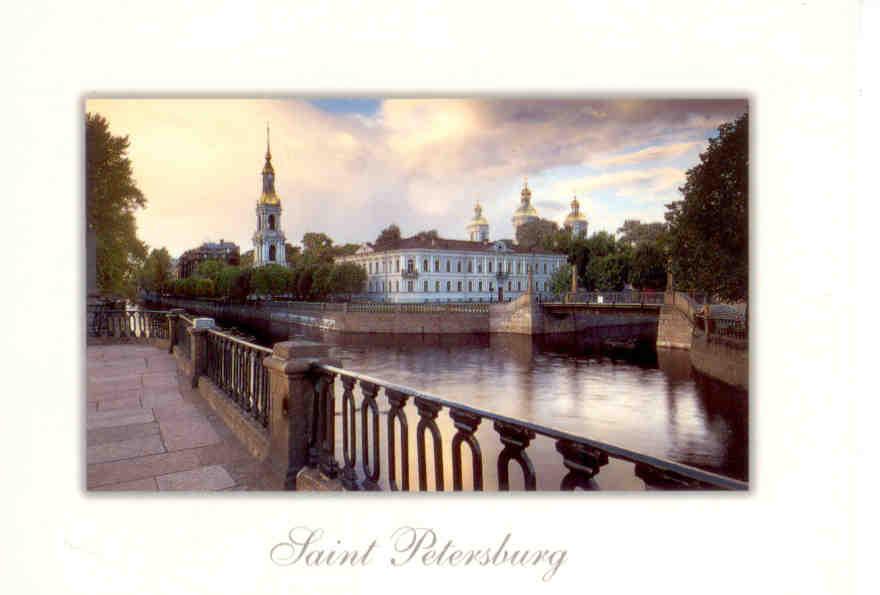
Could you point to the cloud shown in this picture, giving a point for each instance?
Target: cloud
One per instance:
(656, 153)
(421, 163)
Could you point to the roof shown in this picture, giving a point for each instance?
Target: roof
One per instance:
(417, 243)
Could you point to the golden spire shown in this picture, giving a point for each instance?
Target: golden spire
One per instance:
(268, 150)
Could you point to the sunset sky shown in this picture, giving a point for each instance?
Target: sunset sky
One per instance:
(349, 167)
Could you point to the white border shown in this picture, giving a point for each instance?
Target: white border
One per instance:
(795, 59)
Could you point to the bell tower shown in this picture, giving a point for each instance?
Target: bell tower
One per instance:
(268, 239)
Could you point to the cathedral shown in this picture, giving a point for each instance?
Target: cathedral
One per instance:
(269, 240)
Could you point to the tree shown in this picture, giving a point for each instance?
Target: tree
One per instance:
(560, 281)
(345, 249)
(537, 234)
(388, 237)
(648, 267)
(634, 233)
(609, 272)
(292, 254)
(347, 278)
(317, 248)
(430, 234)
(247, 259)
(272, 279)
(709, 227)
(112, 197)
(155, 273)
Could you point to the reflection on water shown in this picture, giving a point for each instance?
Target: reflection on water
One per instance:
(651, 402)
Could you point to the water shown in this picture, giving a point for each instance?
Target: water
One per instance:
(651, 402)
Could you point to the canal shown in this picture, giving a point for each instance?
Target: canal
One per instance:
(651, 401)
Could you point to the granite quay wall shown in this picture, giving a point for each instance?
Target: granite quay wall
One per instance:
(721, 358)
(674, 330)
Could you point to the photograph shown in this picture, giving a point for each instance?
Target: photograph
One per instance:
(414, 293)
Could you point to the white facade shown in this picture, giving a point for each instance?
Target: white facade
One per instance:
(268, 239)
(457, 272)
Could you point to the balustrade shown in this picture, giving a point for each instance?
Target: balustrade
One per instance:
(134, 324)
(581, 459)
(236, 367)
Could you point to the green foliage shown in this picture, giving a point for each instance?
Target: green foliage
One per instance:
(648, 266)
(430, 234)
(210, 269)
(388, 237)
(609, 272)
(292, 254)
(560, 281)
(204, 288)
(635, 233)
(155, 272)
(304, 282)
(348, 278)
(539, 234)
(246, 260)
(112, 197)
(269, 280)
(709, 227)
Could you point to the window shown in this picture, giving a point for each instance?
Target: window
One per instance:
(410, 265)
(470, 286)
(470, 266)
(480, 286)
(437, 286)
(272, 253)
(437, 266)
(425, 284)
(396, 265)
(518, 268)
(271, 226)
(459, 286)
(479, 266)
(409, 286)
(448, 284)
(518, 285)
(491, 288)
(545, 268)
(459, 266)
(447, 266)
(397, 286)
(490, 266)
(508, 266)
(425, 265)
(509, 286)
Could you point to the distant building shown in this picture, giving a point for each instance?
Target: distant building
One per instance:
(526, 212)
(425, 269)
(576, 222)
(189, 261)
(268, 239)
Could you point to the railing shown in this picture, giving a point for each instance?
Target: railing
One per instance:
(730, 329)
(654, 298)
(139, 324)
(182, 338)
(236, 367)
(409, 274)
(476, 307)
(362, 443)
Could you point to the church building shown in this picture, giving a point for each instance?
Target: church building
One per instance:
(268, 239)
(431, 269)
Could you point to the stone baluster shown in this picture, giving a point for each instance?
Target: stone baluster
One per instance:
(198, 331)
(291, 405)
(171, 318)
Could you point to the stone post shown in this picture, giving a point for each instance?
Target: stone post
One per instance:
(290, 405)
(171, 317)
(199, 329)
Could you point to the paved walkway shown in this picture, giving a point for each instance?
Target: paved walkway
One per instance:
(147, 430)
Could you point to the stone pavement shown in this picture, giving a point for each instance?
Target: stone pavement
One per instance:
(148, 430)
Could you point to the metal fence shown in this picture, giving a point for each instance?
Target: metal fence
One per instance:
(653, 298)
(134, 324)
(362, 438)
(236, 367)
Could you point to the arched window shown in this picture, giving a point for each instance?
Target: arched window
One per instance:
(271, 251)
(272, 225)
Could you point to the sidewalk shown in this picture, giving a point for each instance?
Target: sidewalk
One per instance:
(147, 430)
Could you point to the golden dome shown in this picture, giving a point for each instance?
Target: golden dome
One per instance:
(269, 199)
(478, 216)
(575, 214)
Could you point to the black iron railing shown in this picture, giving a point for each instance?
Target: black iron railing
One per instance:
(182, 338)
(652, 298)
(362, 467)
(236, 367)
(134, 324)
(729, 328)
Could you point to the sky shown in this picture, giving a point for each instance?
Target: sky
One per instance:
(350, 167)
